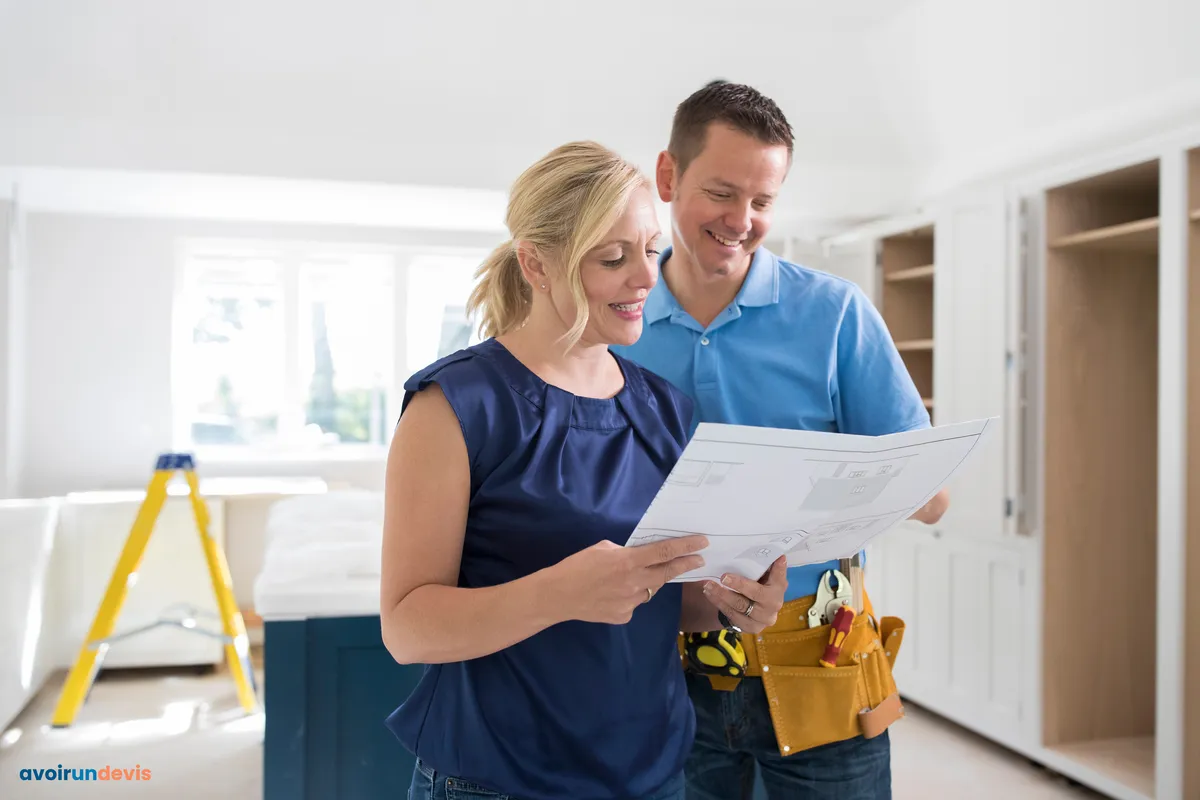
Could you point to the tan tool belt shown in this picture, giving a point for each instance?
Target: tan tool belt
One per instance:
(813, 705)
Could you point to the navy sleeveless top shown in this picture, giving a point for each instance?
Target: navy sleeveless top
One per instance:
(580, 710)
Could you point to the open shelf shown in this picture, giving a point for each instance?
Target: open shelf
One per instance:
(912, 274)
(1140, 236)
(1191, 615)
(1101, 464)
(1128, 761)
(907, 268)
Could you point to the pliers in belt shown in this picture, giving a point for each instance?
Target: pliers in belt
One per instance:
(829, 600)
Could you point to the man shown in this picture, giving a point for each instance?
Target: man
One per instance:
(759, 341)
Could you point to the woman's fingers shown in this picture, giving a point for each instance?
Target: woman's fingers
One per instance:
(734, 606)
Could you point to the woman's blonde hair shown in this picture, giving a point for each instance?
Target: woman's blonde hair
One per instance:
(563, 205)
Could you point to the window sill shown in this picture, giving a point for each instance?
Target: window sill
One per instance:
(248, 455)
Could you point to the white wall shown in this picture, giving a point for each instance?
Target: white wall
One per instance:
(12, 345)
(996, 88)
(7, 257)
(99, 347)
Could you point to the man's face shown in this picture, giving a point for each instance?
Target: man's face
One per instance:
(721, 206)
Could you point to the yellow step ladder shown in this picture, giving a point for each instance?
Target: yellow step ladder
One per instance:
(233, 634)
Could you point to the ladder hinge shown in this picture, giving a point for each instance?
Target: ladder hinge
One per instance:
(1008, 507)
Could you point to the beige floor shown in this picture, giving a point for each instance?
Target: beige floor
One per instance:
(189, 731)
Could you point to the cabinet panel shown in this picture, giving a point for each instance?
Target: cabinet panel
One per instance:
(173, 571)
(971, 372)
(963, 601)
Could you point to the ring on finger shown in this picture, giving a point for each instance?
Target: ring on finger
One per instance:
(749, 609)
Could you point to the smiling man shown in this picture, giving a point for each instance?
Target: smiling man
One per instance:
(756, 340)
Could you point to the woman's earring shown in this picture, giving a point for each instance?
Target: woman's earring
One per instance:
(543, 287)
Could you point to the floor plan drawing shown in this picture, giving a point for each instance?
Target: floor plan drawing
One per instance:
(760, 493)
(849, 484)
(694, 473)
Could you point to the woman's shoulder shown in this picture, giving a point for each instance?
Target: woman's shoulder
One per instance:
(465, 369)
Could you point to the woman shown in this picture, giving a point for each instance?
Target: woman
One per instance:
(518, 469)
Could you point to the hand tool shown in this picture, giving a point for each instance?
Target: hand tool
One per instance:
(716, 653)
(829, 599)
(838, 632)
(853, 568)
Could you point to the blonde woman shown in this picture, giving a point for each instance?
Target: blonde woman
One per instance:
(518, 470)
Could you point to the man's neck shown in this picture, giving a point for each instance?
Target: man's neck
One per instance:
(702, 296)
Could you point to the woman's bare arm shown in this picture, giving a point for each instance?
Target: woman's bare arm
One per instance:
(425, 617)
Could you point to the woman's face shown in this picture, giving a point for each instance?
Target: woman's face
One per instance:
(617, 275)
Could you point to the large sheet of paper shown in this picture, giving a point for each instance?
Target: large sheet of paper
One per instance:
(758, 493)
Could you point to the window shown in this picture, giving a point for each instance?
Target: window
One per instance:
(438, 288)
(285, 349)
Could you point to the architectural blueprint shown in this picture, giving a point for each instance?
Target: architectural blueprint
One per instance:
(758, 493)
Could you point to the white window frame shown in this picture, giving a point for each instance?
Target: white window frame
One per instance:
(291, 253)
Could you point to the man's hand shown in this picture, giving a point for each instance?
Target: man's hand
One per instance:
(932, 511)
(753, 606)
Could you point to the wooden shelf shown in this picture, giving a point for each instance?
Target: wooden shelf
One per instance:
(912, 274)
(1195, 215)
(911, 345)
(1101, 364)
(1127, 761)
(928, 401)
(1140, 236)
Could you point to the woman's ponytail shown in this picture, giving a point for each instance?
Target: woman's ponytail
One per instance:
(501, 297)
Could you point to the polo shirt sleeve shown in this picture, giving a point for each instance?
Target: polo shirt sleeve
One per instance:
(873, 394)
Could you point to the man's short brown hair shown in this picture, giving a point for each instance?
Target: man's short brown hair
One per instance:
(741, 107)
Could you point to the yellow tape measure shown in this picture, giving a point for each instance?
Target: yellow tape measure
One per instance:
(716, 653)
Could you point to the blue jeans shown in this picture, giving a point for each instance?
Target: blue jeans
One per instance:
(430, 785)
(734, 731)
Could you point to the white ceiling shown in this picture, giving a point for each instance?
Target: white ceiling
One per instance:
(882, 93)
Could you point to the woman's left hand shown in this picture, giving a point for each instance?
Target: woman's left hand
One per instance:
(752, 606)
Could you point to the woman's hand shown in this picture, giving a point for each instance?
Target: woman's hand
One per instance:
(752, 606)
(606, 582)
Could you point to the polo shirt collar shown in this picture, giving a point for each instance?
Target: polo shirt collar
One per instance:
(761, 287)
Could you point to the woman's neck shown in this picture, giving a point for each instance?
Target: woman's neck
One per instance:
(586, 369)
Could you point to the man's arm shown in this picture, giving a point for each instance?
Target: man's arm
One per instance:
(874, 393)
(932, 511)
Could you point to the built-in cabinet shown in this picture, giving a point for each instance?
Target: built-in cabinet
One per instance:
(1056, 606)
(1190, 669)
(942, 287)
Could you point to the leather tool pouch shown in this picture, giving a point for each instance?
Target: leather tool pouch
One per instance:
(813, 705)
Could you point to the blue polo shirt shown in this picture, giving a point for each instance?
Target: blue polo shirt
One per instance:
(797, 348)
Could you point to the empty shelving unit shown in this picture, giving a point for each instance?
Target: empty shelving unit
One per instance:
(1191, 648)
(1101, 461)
(906, 276)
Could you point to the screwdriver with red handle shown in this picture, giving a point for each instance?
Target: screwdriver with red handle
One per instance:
(839, 629)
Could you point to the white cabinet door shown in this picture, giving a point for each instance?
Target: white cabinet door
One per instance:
(855, 261)
(963, 604)
(971, 363)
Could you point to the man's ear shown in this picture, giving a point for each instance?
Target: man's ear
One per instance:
(664, 174)
(532, 266)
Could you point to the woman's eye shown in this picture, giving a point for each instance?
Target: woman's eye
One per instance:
(615, 262)
(653, 252)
